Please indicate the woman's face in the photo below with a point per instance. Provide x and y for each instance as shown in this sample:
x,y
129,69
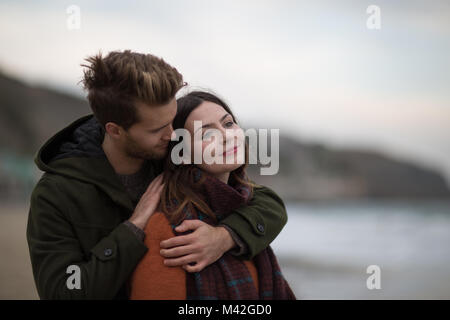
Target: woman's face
x,y
218,139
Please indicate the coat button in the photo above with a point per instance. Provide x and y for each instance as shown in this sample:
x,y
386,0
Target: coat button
x,y
260,227
107,252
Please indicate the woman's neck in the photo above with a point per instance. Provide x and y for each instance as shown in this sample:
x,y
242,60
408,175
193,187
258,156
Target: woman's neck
x,y
223,177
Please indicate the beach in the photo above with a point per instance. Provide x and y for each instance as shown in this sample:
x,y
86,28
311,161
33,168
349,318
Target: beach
x,y
16,276
323,251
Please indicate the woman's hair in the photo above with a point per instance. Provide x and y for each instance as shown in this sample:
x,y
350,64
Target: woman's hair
x,y
180,192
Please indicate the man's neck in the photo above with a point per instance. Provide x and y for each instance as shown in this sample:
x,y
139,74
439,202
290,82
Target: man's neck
x,y
121,163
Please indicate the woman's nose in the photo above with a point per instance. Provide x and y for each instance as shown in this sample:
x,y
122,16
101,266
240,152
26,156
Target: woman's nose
x,y
229,137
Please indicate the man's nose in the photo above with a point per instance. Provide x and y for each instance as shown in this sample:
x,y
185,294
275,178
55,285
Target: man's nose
x,y
168,134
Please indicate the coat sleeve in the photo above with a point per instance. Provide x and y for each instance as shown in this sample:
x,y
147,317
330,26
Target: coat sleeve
x,y
259,222
54,246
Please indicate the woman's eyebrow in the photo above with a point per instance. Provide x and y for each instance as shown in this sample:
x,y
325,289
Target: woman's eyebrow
x,y
209,124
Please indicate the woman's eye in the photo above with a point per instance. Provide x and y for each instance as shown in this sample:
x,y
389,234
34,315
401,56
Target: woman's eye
x,y
229,124
206,135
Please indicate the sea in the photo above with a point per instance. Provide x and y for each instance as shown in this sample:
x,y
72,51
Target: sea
x,y
367,249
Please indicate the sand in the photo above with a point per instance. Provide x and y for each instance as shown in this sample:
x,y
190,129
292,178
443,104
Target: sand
x,y
16,278
309,279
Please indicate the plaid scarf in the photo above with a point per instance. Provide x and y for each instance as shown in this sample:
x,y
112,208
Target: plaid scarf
x,y
228,278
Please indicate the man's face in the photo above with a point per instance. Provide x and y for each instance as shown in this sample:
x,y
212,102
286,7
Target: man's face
x,y
149,137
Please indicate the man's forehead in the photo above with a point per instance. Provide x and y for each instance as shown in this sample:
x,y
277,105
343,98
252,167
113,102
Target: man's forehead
x,y
153,117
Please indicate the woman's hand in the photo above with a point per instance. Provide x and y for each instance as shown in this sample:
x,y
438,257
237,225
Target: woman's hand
x,y
198,249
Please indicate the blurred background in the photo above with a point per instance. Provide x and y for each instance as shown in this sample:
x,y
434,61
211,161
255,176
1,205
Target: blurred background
x,y
361,99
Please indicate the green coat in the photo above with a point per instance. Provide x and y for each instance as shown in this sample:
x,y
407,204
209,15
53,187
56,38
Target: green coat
x,y
76,214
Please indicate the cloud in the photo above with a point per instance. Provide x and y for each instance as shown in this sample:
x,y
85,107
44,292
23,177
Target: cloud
x,y
311,68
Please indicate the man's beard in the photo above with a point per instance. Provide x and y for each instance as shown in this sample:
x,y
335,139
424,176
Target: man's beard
x,y
134,151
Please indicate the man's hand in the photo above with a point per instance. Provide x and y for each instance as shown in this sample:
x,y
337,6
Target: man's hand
x,y
148,203
203,246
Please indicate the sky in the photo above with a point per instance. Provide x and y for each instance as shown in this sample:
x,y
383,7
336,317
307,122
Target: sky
x,y
312,69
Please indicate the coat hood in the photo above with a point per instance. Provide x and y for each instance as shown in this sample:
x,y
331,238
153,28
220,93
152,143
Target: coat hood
x,y
82,138
76,152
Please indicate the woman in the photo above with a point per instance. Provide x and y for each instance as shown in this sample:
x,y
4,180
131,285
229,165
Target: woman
x,y
209,192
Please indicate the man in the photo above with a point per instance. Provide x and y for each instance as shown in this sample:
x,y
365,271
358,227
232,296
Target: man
x,y
101,185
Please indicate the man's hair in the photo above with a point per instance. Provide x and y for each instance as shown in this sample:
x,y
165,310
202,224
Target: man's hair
x,y
116,82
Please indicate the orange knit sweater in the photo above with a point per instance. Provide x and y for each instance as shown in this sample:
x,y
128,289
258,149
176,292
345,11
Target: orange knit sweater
x,y
152,280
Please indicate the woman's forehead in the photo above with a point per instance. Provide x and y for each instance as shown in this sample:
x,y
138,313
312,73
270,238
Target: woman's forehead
x,y
207,112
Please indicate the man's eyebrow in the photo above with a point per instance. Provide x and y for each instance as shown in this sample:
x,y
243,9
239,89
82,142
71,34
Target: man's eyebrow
x,y
209,124
161,127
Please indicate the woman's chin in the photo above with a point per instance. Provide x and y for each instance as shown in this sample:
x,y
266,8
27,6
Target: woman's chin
x,y
217,169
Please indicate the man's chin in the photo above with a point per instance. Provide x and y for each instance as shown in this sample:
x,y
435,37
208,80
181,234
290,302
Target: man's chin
x,y
158,155
155,155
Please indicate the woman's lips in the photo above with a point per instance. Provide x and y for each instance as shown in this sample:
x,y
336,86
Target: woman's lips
x,y
231,151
